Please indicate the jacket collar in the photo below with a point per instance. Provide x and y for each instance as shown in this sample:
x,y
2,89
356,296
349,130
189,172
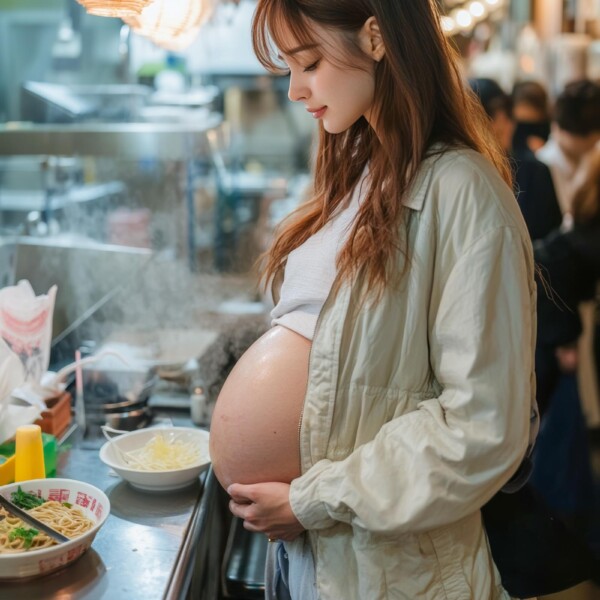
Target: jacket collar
x,y
415,197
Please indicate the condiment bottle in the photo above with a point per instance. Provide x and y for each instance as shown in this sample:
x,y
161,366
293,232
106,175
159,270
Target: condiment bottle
x,y
29,453
199,406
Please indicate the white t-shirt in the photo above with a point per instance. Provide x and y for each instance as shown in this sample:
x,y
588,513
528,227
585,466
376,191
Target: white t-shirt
x,y
310,270
562,171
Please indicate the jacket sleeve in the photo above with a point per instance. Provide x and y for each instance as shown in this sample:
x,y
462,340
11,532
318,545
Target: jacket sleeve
x,y
560,291
568,280
444,460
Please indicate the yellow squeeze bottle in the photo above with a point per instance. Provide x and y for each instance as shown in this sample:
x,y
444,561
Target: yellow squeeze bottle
x,y
29,453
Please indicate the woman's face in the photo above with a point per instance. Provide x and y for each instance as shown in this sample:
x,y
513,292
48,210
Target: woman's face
x,y
330,90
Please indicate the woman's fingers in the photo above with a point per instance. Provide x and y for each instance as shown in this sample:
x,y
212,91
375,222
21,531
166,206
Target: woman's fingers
x,y
265,508
242,494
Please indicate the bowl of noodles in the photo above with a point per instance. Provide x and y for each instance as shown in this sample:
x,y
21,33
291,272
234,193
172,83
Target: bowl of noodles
x,y
158,459
74,508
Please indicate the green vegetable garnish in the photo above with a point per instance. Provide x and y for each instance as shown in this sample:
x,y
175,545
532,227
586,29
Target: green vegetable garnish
x,y
25,534
67,504
25,500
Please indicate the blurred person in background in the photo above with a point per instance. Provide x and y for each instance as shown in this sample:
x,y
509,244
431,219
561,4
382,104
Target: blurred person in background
x,y
569,259
575,131
531,113
533,183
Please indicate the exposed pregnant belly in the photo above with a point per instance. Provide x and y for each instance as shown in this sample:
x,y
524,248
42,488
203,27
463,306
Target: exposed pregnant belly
x,y
254,434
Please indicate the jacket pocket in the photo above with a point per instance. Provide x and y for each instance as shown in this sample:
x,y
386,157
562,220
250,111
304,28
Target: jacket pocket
x,y
448,563
405,567
467,570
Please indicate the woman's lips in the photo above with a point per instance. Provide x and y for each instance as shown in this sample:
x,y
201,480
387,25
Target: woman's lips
x,y
317,113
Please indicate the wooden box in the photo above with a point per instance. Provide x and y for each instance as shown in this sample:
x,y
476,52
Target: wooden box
x,y
57,418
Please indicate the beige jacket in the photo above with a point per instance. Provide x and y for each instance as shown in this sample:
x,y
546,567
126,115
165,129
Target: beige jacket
x,y
417,409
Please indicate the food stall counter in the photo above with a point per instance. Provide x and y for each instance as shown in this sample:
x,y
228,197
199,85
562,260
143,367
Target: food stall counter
x,y
146,548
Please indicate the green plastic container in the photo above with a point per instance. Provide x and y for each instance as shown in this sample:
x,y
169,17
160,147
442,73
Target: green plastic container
x,y
50,452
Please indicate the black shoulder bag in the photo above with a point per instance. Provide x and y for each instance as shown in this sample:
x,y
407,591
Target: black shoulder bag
x,y
536,554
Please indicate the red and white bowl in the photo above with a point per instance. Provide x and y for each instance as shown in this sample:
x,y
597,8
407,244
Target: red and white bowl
x,y
92,502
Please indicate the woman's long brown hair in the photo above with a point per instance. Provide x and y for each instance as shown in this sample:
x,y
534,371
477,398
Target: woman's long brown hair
x,y
420,99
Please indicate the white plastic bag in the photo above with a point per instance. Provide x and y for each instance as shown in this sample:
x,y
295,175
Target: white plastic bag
x,y
26,326
12,375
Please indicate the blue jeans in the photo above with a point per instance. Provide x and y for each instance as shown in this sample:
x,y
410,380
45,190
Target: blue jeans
x,y
290,571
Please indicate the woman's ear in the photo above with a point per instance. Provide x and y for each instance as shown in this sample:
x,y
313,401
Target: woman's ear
x,y
370,39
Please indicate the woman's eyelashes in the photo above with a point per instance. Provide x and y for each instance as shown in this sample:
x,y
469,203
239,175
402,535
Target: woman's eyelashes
x,y
311,67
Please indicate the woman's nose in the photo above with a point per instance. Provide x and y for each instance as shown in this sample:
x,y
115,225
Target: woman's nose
x,y
297,92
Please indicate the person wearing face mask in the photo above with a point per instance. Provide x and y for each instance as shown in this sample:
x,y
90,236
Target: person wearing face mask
x,y
394,394
533,184
532,117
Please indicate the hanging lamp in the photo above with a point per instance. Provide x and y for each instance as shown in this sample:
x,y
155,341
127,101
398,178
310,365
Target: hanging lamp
x,y
171,24
115,8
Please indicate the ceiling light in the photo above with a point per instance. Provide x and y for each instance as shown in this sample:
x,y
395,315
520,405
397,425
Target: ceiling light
x,y
171,23
114,8
463,18
477,9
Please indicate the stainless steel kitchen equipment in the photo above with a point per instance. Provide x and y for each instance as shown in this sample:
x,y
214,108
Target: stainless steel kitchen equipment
x,y
145,144
54,103
7,259
244,563
51,103
118,398
161,141
41,195
83,303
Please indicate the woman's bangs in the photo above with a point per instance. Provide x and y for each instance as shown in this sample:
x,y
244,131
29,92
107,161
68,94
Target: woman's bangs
x,y
278,26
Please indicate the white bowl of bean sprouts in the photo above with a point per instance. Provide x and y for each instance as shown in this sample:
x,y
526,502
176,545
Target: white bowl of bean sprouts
x,y
73,508
158,459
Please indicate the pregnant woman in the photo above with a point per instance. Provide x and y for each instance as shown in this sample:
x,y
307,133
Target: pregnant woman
x,y
392,396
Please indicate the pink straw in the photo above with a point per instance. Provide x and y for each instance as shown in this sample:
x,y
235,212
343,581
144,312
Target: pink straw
x,y
78,373
79,407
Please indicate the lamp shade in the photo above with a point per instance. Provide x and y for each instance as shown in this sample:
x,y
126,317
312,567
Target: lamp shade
x,y
172,24
115,8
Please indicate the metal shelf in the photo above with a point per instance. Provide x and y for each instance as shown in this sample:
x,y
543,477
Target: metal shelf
x,y
160,141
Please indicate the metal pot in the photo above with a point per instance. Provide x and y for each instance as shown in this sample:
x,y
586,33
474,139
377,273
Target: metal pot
x,y
128,421
118,398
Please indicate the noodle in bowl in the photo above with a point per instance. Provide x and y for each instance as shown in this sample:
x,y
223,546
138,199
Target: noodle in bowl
x,y
81,525
158,459
63,518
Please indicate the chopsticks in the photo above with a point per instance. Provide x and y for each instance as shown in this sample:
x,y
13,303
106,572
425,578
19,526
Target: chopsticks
x,y
27,518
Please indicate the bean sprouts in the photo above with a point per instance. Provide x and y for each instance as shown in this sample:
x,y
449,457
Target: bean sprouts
x,y
160,454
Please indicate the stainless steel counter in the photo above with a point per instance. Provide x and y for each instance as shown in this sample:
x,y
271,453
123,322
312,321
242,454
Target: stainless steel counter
x,y
146,548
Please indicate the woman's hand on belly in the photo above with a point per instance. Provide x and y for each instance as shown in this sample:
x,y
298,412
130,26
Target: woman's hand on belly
x,y
265,508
